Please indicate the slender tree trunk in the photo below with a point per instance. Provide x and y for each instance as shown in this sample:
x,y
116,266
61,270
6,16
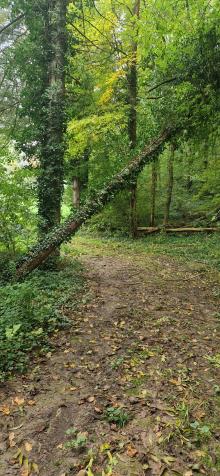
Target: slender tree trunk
x,y
132,119
153,191
76,192
169,185
119,182
189,181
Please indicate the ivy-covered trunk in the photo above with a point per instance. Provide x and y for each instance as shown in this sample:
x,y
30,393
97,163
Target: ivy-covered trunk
x,y
50,183
132,114
120,181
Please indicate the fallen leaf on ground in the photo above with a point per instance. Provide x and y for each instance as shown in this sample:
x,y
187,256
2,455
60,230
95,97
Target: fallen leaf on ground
x,y
11,438
91,399
28,446
18,401
131,451
176,382
24,472
5,409
60,446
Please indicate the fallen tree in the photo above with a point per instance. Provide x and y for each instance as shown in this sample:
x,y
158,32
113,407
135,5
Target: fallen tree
x,y
39,254
157,229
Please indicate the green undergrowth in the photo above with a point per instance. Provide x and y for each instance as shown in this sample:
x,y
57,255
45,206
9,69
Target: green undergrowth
x,y
32,310
202,248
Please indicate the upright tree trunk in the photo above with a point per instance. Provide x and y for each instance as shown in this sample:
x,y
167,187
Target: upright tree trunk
x,y
169,184
76,192
132,119
153,191
50,183
119,182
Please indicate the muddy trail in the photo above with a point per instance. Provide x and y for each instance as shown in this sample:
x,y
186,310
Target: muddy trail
x,y
133,386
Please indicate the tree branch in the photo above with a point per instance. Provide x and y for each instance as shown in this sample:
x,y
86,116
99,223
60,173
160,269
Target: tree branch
x,y
15,20
166,81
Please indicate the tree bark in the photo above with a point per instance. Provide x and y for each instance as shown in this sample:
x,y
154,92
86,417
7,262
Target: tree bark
x,y
169,185
119,182
50,183
12,22
157,229
76,192
153,191
132,118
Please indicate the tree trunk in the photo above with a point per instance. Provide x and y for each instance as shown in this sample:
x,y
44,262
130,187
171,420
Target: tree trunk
x,y
132,119
169,185
153,191
50,183
120,181
76,192
157,229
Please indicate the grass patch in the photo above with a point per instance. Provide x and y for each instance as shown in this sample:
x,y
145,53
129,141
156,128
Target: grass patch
x,y
30,311
202,248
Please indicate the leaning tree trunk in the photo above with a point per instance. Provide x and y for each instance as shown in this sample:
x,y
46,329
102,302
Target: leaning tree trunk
x,y
119,182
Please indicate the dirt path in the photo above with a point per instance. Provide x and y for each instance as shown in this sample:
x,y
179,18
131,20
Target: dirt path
x,y
139,345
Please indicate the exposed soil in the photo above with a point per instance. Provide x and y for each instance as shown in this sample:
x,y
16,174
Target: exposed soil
x,y
140,343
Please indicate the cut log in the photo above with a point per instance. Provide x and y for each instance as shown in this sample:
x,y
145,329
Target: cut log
x,y
120,181
150,230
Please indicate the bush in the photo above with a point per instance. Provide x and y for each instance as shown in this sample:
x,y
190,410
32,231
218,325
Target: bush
x,y
31,311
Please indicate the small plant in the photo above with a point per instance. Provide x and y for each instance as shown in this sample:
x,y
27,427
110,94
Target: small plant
x,y
216,389
71,431
117,416
202,432
217,315
183,411
215,359
112,462
117,362
78,442
162,320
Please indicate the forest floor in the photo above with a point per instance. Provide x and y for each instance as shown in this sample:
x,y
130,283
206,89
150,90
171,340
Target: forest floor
x,y
133,387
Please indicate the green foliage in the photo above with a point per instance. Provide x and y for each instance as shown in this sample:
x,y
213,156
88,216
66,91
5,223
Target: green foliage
x,y
17,200
117,415
214,359
31,311
201,432
117,363
178,83
79,442
85,132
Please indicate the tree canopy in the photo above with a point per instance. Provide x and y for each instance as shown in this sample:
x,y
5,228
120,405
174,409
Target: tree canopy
x,y
87,84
